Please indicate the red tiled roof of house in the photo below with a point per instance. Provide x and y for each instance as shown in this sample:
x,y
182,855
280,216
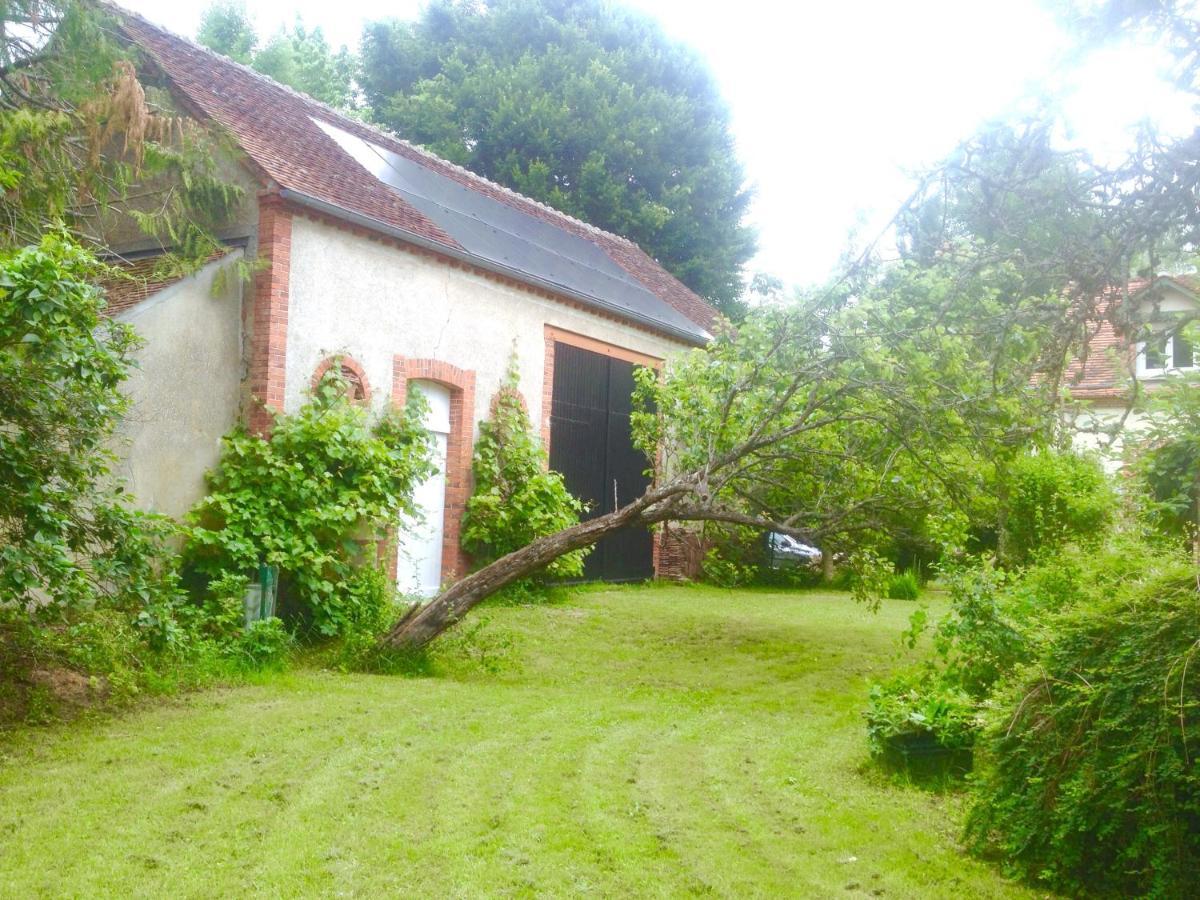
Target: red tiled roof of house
x,y
274,127
139,281
1106,368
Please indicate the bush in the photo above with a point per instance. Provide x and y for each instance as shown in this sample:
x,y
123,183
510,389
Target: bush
x,y
1055,498
719,569
733,554
938,705
1088,774
377,607
263,644
1167,457
67,535
987,632
920,716
516,499
904,586
314,499
84,658
91,608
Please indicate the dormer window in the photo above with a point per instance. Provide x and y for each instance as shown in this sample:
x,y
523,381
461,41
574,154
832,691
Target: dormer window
x,y
1165,353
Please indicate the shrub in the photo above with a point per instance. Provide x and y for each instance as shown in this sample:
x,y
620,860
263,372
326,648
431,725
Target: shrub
x,y
67,535
314,499
91,608
376,607
87,657
263,644
1089,781
904,586
733,554
1055,498
1168,457
516,499
986,633
717,568
938,705
915,713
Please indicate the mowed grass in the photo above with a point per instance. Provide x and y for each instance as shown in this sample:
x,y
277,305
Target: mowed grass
x,y
658,741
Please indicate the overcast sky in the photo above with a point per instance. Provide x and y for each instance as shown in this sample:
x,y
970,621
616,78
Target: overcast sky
x,y
834,105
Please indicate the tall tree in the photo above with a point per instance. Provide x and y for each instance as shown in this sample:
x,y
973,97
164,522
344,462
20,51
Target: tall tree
x,y
226,28
303,59
583,105
298,57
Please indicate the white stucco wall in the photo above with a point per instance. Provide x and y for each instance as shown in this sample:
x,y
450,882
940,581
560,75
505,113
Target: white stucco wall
x,y
185,393
1094,425
373,301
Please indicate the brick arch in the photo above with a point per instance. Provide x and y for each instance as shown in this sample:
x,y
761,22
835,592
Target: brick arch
x,y
353,372
459,445
507,391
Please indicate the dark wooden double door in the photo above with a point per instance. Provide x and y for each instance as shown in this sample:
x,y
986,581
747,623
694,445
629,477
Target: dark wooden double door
x,y
591,445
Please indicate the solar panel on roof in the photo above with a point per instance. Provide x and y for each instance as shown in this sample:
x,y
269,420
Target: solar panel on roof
x,y
494,231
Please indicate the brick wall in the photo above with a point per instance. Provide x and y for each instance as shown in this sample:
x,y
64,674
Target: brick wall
x,y
269,313
459,446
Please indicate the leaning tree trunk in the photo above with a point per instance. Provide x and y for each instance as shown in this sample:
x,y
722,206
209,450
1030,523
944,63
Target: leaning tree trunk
x,y
424,623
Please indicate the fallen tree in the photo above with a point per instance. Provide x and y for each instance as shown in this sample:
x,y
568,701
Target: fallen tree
x,y
827,418
906,388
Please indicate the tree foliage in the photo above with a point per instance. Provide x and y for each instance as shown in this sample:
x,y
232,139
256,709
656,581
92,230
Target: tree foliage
x,y
298,56
314,498
303,59
227,28
84,144
585,106
67,536
516,498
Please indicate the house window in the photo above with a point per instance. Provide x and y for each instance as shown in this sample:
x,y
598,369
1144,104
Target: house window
x,y
1165,353
352,372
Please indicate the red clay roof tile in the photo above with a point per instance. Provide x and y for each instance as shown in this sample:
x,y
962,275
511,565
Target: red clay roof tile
x,y
138,281
1105,369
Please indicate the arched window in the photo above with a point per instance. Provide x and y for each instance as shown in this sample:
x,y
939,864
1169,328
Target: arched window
x,y
352,371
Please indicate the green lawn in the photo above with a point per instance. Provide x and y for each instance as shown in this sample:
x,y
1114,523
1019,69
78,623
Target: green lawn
x,y
641,742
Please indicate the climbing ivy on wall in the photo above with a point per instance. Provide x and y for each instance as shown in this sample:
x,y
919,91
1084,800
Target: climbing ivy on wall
x,y
516,497
315,498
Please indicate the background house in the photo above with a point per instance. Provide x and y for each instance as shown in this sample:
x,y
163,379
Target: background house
x,y
1130,353
416,275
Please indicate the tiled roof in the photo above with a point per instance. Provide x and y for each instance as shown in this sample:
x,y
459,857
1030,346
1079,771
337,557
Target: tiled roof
x,y
274,126
138,282
1104,371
